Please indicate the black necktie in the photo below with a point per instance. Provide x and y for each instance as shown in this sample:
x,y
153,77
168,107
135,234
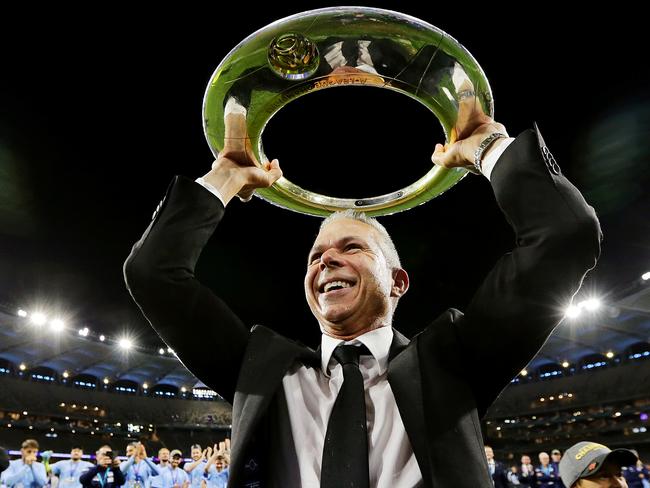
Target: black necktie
x,y
345,453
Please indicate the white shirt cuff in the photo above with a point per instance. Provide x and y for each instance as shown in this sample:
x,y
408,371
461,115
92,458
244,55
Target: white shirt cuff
x,y
211,189
494,154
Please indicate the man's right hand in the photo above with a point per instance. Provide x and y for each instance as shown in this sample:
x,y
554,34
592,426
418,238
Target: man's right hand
x,y
236,171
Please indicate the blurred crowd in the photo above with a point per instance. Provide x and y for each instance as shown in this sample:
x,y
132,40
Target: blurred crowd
x,y
206,468
546,472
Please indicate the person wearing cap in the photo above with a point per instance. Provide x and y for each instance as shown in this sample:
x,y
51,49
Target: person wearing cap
x,y
636,474
172,476
69,470
592,465
26,472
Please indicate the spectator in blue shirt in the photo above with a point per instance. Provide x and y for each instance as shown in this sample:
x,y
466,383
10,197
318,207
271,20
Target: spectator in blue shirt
x,y
637,476
138,469
172,476
546,476
26,472
106,474
196,468
216,469
69,470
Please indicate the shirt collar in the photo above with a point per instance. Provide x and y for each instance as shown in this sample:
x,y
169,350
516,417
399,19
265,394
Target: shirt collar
x,y
377,341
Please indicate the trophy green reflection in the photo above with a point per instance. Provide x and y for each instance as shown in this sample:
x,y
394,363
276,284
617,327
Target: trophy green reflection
x,y
345,46
293,56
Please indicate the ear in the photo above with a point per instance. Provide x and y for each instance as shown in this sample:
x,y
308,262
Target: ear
x,y
400,283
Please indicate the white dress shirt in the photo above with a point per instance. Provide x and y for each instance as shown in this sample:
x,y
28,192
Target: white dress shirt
x,y
310,394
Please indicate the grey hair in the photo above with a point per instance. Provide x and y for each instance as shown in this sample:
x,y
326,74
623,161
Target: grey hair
x,y
385,241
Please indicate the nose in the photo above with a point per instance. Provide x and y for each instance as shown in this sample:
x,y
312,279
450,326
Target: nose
x,y
330,258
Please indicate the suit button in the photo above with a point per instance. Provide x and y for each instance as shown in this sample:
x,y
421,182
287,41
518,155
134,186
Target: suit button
x,y
551,163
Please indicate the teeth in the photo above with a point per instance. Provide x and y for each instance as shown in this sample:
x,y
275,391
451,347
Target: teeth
x,y
342,284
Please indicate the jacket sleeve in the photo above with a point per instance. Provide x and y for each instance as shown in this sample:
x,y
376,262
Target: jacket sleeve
x,y
118,477
524,296
208,338
86,479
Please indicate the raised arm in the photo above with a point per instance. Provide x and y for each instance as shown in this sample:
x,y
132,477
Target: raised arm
x,y
524,296
160,271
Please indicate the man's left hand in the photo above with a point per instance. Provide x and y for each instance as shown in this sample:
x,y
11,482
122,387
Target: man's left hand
x,y
472,127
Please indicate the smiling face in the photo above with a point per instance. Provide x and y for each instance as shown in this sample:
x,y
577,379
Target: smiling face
x,y
163,455
196,453
544,459
349,286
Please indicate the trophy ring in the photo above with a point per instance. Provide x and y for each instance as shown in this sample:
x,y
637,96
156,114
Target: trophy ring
x,y
303,53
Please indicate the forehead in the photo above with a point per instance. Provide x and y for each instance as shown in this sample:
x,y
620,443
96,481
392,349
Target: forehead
x,y
344,228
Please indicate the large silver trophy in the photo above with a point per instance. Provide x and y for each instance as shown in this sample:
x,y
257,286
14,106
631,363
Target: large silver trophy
x,y
343,46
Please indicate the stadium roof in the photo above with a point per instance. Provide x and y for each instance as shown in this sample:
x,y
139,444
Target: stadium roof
x,y
613,327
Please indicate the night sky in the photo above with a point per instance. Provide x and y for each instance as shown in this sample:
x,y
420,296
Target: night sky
x,y
98,111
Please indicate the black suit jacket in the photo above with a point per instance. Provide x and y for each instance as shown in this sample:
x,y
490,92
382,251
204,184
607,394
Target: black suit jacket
x,y
500,476
436,377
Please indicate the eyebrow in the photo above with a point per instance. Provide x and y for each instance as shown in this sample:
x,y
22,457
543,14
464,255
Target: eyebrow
x,y
339,242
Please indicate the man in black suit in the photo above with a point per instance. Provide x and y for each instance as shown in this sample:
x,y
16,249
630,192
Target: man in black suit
x,y
497,470
423,397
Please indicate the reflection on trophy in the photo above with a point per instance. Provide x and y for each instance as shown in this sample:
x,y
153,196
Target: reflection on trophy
x,y
334,47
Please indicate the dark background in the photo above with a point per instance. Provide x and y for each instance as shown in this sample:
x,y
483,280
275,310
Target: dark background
x,y
99,110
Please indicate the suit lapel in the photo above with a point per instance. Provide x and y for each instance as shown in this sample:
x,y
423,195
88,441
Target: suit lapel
x,y
405,382
266,360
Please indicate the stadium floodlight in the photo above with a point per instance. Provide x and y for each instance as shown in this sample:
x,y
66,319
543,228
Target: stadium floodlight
x,y
57,325
591,304
565,364
106,381
572,311
183,389
645,276
161,351
170,350
22,367
609,354
102,337
22,313
84,332
524,372
39,318
125,343
66,374
145,385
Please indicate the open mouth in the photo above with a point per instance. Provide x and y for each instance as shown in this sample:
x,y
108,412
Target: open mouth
x,y
332,287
